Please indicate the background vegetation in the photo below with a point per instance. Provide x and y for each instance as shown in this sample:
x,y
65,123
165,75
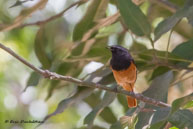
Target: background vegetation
x,y
69,37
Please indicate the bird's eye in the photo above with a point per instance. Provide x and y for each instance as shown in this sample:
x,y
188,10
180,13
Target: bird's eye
x,y
113,49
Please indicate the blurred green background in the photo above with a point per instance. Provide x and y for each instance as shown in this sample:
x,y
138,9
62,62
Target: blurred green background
x,y
74,44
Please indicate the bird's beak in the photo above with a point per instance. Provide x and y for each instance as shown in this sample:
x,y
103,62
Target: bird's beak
x,y
108,47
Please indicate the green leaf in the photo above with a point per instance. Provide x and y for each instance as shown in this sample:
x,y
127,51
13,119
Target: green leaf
x,y
181,102
107,78
189,105
94,96
158,125
33,80
40,48
178,2
160,118
173,58
189,16
122,100
134,18
78,49
157,90
189,5
100,45
103,73
179,118
108,116
143,65
87,21
100,13
53,84
184,50
161,114
64,68
159,87
81,94
18,3
159,71
116,125
173,128
138,47
182,119
107,99
93,51
169,23
156,12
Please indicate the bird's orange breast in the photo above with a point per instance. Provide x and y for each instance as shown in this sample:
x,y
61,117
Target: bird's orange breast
x,y
126,76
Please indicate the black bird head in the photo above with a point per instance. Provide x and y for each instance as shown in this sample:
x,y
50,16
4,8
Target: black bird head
x,y
118,51
121,58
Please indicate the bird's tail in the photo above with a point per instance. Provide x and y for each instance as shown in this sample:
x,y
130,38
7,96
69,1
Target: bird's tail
x,y
130,100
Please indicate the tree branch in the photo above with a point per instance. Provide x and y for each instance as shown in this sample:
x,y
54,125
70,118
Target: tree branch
x,y
166,4
18,22
22,16
55,76
38,23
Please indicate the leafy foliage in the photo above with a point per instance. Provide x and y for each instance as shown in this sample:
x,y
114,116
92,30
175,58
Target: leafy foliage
x,y
134,17
77,49
178,117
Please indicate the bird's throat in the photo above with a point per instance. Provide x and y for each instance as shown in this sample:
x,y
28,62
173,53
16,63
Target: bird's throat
x,y
120,63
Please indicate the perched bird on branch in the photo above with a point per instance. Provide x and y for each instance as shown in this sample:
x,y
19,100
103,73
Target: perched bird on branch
x,y
124,70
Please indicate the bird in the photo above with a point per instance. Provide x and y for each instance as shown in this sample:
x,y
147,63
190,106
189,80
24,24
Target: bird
x,y
124,70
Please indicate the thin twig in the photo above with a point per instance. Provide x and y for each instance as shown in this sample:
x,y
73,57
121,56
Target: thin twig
x,y
40,71
168,44
170,35
166,4
78,3
173,66
155,59
23,15
168,125
183,74
55,76
152,42
181,80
